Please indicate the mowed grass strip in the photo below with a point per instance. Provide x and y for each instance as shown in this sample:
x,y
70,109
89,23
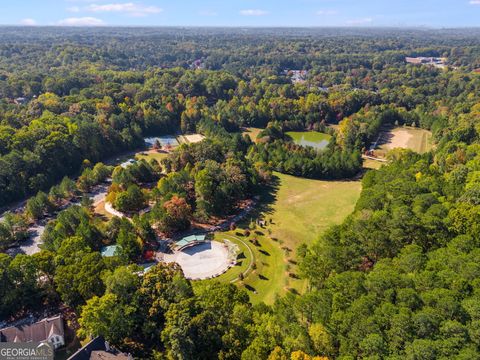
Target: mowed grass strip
x,y
260,260
296,211
151,154
422,141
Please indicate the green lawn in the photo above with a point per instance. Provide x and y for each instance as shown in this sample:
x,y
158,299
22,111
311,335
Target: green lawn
x,y
262,265
297,211
148,155
310,138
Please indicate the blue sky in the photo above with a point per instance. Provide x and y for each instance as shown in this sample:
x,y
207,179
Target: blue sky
x,y
431,13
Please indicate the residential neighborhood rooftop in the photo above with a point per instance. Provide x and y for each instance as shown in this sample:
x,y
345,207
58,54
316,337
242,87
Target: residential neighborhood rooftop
x,y
99,349
43,330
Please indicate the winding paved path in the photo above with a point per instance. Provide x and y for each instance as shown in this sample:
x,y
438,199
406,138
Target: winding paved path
x,y
109,208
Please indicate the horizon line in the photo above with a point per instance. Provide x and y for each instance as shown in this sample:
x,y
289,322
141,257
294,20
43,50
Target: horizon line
x,y
428,27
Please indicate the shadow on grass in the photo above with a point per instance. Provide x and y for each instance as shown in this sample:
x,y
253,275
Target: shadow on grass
x,y
250,288
266,253
268,197
262,277
102,217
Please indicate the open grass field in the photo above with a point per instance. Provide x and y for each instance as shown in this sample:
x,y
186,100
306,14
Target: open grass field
x,y
418,140
310,138
372,164
296,211
252,132
151,154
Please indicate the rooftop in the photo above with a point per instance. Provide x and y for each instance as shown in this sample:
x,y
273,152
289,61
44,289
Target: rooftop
x,y
98,349
189,240
109,251
39,331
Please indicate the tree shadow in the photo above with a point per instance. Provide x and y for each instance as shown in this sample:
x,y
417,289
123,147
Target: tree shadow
x,y
268,196
262,277
250,288
266,253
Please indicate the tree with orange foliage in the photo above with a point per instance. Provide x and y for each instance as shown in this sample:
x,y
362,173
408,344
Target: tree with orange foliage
x,y
174,215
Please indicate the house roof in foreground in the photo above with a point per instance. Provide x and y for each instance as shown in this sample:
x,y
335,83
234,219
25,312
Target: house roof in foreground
x,y
98,349
39,331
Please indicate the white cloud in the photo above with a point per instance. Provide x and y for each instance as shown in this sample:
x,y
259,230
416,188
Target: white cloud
x,y
327,12
130,8
28,22
474,2
81,21
73,9
253,12
357,22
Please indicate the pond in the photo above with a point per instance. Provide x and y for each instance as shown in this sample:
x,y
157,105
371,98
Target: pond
x,y
313,139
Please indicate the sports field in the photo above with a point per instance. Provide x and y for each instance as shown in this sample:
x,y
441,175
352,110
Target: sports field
x,y
190,139
296,211
314,139
418,140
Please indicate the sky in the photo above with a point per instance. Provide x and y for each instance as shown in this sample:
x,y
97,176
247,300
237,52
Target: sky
x,y
262,13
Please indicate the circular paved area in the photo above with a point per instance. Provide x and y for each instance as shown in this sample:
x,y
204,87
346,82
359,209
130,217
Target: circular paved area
x,y
202,261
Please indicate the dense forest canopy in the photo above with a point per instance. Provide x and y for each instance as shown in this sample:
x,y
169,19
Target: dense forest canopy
x,y
94,93
398,279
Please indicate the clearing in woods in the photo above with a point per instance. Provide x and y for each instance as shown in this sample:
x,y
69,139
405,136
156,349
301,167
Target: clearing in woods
x,y
252,132
418,140
296,211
